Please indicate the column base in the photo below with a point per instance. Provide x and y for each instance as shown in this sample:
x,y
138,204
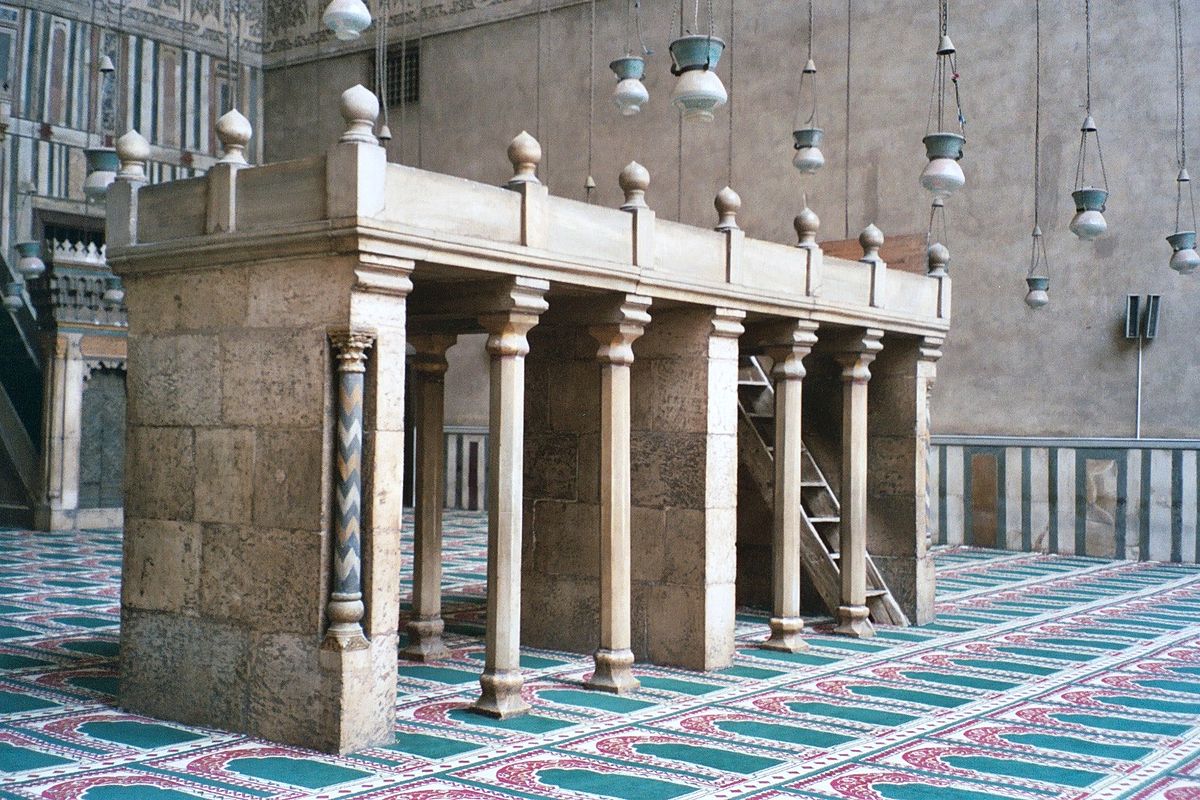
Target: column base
x,y
785,635
343,637
854,621
500,697
613,672
425,640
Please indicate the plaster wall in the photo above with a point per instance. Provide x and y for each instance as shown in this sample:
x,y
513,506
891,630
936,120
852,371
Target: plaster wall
x,y
1065,370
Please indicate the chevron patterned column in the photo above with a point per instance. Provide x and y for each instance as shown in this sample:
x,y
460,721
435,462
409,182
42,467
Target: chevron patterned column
x,y
788,375
345,601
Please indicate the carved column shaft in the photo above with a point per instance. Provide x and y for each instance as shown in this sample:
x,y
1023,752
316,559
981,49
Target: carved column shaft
x,y
855,361
345,601
429,390
788,376
614,658
507,345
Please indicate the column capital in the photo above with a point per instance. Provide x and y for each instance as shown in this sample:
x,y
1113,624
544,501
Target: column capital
x,y
727,322
430,356
856,352
351,345
931,348
514,311
788,343
624,323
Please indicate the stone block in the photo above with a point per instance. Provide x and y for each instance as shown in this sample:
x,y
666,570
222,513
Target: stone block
x,y
720,552
194,301
161,565
171,381
159,469
182,668
386,379
575,395
224,490
673,396
563,538
668,469
684,549
274,377
382,566
574,625
383,480
720,471
587,454
551,465
648,543
264,579
286,294
289,481
285,689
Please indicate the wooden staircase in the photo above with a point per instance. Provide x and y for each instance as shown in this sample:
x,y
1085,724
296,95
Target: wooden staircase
x,y
821,512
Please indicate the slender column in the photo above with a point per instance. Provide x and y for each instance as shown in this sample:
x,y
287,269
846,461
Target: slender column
x,y
345,601
429,392
614,658
62,407
855,360
507,344
788,376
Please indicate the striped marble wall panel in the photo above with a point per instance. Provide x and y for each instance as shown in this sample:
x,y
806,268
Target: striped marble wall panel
x,y
1119,498
466,467
174,93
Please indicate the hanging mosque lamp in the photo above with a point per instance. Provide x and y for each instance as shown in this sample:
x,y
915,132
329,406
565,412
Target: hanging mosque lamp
x,y
943,176
346,18
1184,258
630,94
102,162
1038,277
693,58
1088,222
807,136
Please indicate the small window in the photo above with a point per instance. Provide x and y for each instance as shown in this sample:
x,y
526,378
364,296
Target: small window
x,y
403,74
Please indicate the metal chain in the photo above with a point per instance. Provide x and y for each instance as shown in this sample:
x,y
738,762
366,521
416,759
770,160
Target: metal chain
x,y
591,96
237,97
846,142
1180,96
810,29
93,94
1087,49
1037,109
729,58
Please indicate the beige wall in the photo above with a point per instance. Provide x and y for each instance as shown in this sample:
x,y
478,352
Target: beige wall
x,y
1007,370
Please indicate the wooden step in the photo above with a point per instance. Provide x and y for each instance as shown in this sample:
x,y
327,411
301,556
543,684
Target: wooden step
x,y
824,520
876,593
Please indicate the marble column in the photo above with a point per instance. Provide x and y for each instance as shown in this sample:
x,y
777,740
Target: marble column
x,y
614,658
855,358
429,395
345,607
507,345
787,376
62,429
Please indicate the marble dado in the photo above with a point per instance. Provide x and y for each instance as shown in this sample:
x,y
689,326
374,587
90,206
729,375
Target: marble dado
x,y
1112,498
240,287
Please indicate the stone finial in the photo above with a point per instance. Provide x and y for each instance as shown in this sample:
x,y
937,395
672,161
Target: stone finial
x,y
133,151
937,258
634,180
524,153
360,109
234,132
807,223
871,239
727,203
